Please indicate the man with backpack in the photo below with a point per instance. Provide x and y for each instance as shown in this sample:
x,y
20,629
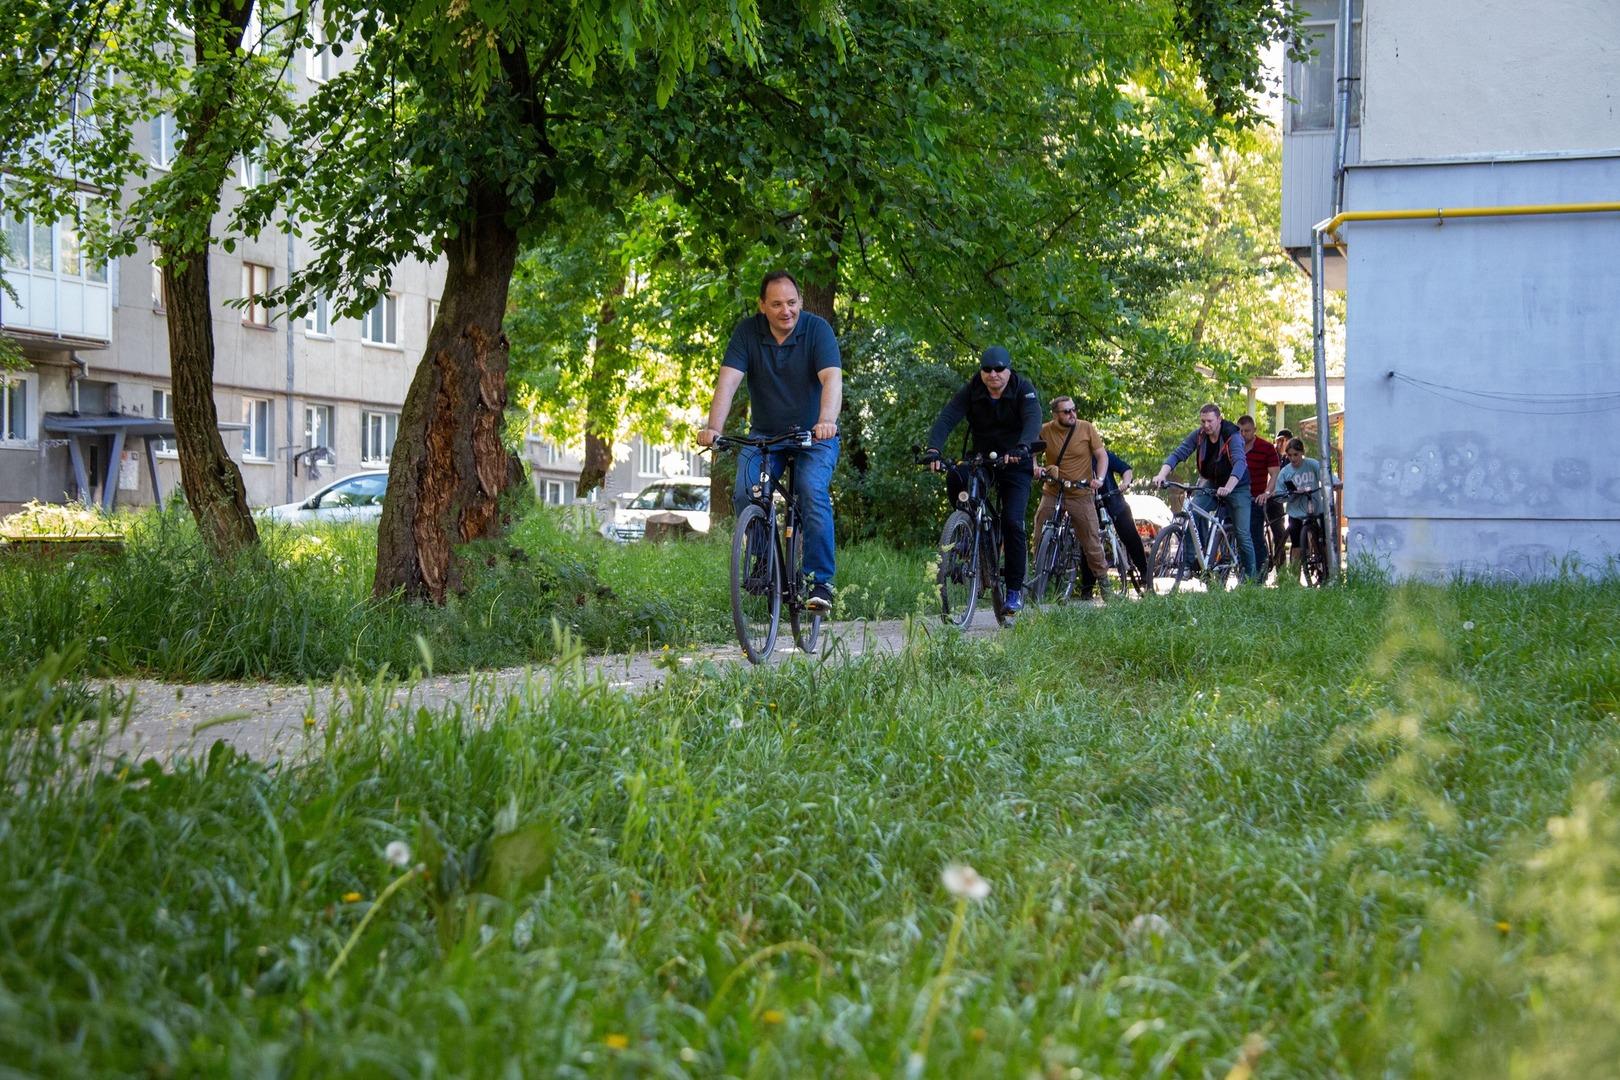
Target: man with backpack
x,y
1222,460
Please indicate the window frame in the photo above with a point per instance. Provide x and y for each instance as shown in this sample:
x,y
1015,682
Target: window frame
x,y
258,438
166,139
256,312
386,313
389,428
318,319
1325,27
28,383
311,410
163,409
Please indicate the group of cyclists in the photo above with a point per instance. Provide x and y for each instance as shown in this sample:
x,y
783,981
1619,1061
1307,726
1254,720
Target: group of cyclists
x,y
791,363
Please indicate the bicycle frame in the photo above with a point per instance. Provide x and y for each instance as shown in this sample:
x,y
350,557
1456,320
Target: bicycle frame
x,y
983,563
1197,520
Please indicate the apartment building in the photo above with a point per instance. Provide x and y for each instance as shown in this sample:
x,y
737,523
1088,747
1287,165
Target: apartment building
x,y
90,415
1481,169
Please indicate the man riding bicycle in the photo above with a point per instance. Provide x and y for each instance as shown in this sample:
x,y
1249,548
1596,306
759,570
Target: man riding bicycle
x,y
1074,452
1222,460
795,381
1003,417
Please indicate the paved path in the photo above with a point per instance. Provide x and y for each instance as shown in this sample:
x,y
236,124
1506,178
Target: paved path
x,y
271,720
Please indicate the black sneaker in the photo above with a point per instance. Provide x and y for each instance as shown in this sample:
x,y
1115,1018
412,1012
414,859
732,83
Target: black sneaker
x,y
820,600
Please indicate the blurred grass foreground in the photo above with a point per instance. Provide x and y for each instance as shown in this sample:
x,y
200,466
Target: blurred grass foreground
x,y
1354,832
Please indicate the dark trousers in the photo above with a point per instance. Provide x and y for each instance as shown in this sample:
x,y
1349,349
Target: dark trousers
x,y
1129,539
1012,486
1277,520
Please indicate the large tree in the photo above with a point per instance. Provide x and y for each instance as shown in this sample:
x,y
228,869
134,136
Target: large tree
x,y
80,79
450,138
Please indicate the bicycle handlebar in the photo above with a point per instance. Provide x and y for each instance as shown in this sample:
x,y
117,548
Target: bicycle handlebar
x,y
1190,488
798,438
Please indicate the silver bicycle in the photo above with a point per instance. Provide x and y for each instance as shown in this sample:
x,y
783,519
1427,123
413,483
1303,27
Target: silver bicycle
x,y
1196,544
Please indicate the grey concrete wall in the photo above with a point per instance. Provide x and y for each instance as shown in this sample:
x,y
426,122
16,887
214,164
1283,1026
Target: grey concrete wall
x,y
1501,465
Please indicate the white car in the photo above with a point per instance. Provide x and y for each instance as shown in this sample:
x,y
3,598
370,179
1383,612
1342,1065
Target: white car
x,y
1150,512
354,498
686,497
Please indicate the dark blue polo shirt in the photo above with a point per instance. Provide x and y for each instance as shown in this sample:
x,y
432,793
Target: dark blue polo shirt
x,y
784,381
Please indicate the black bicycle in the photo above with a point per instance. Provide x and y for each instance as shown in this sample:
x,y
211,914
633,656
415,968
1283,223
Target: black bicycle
x,y
1123,575
767,556
1057,553
1313,558
970,544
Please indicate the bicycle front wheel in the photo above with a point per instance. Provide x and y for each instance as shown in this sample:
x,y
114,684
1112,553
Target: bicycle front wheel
x,y
1315,562
1046,555
959,577
1171,558
756,586
806,623
1123,576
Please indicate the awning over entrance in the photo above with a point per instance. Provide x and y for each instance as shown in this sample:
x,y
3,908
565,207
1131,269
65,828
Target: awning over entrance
x,y
77,428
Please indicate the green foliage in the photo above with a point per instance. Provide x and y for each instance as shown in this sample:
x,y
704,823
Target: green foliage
x,y
742,868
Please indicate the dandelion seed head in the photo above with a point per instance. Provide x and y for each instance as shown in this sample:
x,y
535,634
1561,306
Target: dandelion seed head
x,y
398,852
964,882
1469,625
736,722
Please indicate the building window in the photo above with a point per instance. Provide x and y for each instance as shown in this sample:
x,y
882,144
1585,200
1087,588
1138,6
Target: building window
x,y
250,169
163,409
433,314
319,63
317,426
317,320
160,294
380,327
649,458
51,248
554,493
554,454
165,140
256,439
255,283
377,433
1312,88
16,408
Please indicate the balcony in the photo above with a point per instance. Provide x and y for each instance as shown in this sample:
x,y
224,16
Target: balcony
x,y
62,297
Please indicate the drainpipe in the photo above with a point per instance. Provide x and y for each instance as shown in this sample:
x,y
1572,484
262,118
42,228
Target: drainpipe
x,y
1324,422
1341,106
74,380
292,447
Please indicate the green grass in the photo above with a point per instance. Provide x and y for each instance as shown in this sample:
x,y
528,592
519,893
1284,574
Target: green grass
x,y
1282,820
301,607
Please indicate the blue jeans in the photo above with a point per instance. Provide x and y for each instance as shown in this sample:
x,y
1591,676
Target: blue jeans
x,y
1238,505
812,493
1258,527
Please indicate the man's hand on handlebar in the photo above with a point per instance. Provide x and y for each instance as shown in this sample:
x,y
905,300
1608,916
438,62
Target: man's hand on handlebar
x,y
706,436
930,457
825,429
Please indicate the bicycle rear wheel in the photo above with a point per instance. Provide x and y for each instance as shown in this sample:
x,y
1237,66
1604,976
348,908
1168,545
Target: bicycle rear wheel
x,y
756,585
959,578
806,623
990,569
1223,558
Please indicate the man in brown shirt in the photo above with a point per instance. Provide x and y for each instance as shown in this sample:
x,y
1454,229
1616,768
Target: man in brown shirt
x,y
1074,452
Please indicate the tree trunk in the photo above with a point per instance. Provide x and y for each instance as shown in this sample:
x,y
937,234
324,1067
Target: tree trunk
x,y
212,481
449,466
610,369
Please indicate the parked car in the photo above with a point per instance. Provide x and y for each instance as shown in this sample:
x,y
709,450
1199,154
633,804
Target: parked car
x,y
685,497
1150,512
354,498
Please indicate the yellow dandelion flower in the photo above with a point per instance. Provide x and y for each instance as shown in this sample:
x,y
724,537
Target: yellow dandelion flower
x,y
616,1041
351,898
1504,926
773,1016
978,1034
309,721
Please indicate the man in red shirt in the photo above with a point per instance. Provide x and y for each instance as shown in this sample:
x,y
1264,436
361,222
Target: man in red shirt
x,y
1264,464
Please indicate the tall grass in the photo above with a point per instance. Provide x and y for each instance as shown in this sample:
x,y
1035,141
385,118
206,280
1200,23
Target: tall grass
x,y
300,607
1223,833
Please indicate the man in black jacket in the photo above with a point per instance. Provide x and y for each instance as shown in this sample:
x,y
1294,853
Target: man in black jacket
x,y
1003,415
